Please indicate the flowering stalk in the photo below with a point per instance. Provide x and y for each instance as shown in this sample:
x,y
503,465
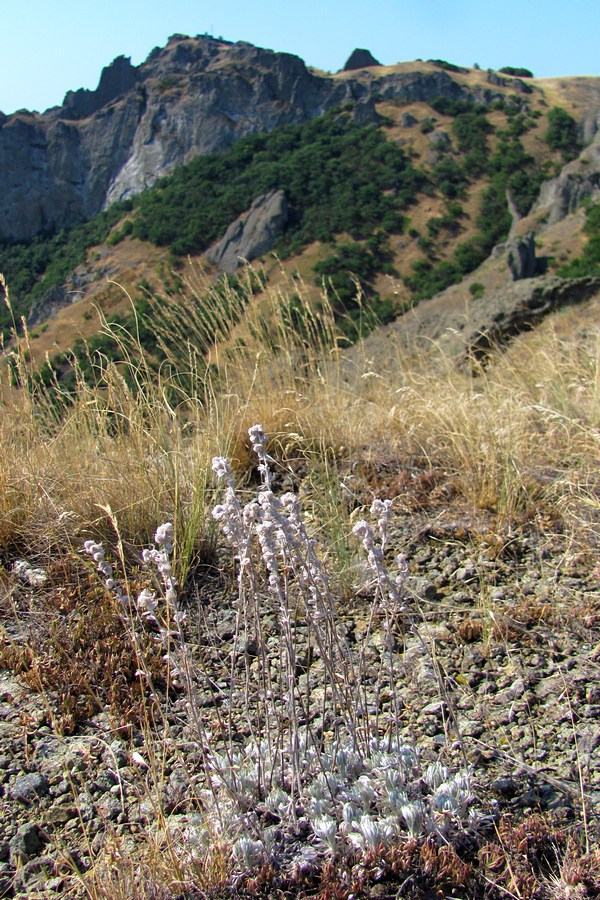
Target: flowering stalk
x,y
388,590
97,552
164,539
146,600
295,577
238,525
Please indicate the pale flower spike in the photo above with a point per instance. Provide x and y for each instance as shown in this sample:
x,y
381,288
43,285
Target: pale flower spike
x,y
96,551
146,603
259,442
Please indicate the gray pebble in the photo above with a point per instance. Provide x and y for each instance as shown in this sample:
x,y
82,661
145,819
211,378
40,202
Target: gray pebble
x,y
30,787
27,842
504,785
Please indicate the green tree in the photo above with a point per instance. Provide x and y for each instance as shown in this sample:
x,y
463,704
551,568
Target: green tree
x,y
562,134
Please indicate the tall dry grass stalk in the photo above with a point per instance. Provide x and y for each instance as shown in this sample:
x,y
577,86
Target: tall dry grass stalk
x,y
517,436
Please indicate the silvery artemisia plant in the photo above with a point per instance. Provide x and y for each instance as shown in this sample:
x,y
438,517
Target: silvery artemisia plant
x,y
389,588
357,791
352,792
147,604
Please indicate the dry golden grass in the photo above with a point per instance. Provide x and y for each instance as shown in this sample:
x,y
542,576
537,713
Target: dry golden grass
x,y
521,433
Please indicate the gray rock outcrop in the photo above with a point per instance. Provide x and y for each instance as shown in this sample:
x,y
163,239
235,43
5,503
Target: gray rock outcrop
x,y
508,313
252,234
440,140
408,120
471,333
515,83
578,181
360,59
365,112
520,257
115,80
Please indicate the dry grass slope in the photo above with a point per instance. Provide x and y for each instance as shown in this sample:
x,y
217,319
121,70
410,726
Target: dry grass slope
x,y
515,442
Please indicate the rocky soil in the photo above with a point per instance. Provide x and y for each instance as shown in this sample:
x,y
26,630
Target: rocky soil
x,y
497,658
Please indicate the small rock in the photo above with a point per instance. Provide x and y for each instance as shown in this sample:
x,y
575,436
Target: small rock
x,y
58,815
465,574
61,788
437,708
30,787
110,807
6,884
421,588
27,842
515,690
103,782
471,729
35,874
504,785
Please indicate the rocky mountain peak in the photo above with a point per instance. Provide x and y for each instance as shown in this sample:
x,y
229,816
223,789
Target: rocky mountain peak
x,y
116,79
360,59
195,95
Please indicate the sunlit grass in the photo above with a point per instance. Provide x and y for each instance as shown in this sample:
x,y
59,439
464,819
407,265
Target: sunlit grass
x,y
512,437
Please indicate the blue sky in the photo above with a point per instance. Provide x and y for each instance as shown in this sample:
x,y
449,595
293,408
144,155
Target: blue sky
x,y
49,48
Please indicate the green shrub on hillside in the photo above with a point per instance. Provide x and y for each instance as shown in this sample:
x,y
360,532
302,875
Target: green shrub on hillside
x,y
449,221
448,106
449,176
470,130
516,72
354,264
511,173
517,170
428,279
447,66
517,124
493,224
562,134
589,261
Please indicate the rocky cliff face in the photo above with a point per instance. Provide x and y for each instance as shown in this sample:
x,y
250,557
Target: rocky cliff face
x,y
578,181
251,234
195,95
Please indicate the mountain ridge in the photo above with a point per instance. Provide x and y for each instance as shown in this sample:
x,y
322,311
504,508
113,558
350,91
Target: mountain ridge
x,y
195,95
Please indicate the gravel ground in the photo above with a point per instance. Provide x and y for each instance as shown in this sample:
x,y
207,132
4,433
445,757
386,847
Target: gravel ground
x,y
497,657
